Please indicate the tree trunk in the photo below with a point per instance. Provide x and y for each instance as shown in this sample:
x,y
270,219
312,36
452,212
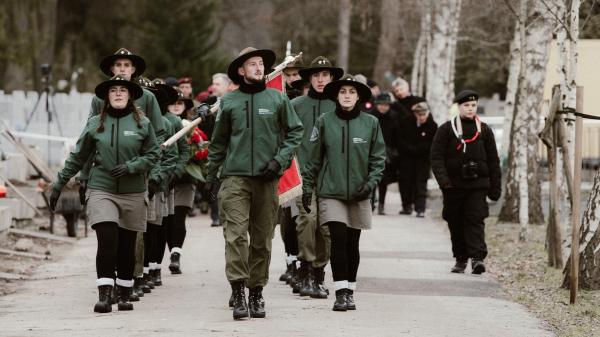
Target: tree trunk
x,y
344,34
388,39
440,58
512,86
537,41
521,130
589,249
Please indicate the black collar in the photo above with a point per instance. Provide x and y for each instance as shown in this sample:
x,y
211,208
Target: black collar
x,y
347,115
252,88
312,93
118,113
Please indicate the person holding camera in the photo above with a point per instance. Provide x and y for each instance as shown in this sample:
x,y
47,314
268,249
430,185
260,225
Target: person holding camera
x,y
465,162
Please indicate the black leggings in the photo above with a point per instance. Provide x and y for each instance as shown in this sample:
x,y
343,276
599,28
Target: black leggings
x,y
290,238
116,250
154,244
345,256
176,227
382,191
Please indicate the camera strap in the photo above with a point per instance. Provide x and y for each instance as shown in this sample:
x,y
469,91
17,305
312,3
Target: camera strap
x,y
458,132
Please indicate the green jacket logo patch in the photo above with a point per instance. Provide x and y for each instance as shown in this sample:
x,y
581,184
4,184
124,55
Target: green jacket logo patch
x,y
128,133
358,140
315,134
262,111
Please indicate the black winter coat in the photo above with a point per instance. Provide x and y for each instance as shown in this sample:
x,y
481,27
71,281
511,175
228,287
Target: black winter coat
x,y
447,160
414,142
389,129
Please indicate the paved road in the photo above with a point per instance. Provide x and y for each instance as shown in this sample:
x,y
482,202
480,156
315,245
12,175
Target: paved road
x,y
405,289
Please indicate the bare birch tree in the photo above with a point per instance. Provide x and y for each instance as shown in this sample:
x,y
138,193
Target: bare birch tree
x,y
440,57
388,38
418,74
344,34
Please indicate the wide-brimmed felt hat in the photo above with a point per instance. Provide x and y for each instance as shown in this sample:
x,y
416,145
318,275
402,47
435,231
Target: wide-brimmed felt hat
x,y
168,93
321,63
122,53
189,103
135,91
268,57
383,99
332,89
300,84
466,96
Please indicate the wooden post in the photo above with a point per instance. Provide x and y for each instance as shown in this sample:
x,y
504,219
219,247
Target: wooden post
x,y
575,220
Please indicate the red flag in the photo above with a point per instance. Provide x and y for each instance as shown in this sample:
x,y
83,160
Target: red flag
x,y
290,184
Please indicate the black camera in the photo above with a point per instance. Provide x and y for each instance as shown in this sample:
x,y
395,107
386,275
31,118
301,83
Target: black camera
x,y
470,170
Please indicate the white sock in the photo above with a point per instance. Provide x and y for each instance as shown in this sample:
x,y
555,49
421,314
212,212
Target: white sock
x,y
146,270
125,283
352,286
176,250
337,285
290,259
105,281
152,265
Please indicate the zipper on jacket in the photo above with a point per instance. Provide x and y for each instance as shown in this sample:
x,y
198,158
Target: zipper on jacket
x,y
348,161
252,133
117,152
343,138
247,116
314,116
112,135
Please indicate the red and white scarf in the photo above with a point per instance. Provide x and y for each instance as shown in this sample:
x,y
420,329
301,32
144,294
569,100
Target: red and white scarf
x,y
458,132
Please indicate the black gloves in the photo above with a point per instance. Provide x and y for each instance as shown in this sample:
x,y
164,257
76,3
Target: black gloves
x,y
54,199
210,191
82,190
271,170
494,194
363,193
153,187
306,200
119,171
202,111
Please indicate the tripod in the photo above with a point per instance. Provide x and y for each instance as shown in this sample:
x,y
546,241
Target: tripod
x,y
50,112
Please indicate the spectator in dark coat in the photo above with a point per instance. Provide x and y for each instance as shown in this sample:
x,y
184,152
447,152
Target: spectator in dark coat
x,y
416,132
388,120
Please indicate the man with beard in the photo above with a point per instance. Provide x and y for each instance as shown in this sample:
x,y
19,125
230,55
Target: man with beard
x,y
255,136
313,240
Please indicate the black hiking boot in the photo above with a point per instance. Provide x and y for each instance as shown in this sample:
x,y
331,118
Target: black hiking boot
x,y
319,290
240,308
156,278
175,266
340,303
477,266
124,293
350,305
138,284
104,299
459,266
256,303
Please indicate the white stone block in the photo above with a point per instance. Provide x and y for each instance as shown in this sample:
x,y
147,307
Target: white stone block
x,y
19,209
5,218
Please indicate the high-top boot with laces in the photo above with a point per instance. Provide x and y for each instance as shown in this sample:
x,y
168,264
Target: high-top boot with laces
x,y
300,278
138,286
350,305
240,307
175,266
459,266
148,281
318,290
156,279
293,275
340,303
308,283
123,293
256,303
104,299
134,296
286,275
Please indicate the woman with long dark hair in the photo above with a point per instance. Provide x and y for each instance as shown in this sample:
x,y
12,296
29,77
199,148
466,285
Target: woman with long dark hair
x,y
347,158
122,144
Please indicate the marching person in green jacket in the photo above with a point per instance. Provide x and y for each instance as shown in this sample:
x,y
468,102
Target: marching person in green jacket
x,y
123,146
159,206
256,133
129,66
313,240
183,184
346,162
